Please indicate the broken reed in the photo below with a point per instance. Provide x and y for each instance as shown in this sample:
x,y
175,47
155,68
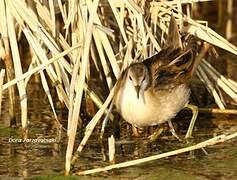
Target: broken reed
x,y
111,33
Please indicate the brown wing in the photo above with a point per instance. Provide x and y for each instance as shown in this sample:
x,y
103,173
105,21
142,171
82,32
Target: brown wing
x,y
173,64
173,69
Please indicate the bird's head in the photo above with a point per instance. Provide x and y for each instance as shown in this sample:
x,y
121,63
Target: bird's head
x,y
139,77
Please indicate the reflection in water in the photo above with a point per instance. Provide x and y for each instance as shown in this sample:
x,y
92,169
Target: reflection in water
x,y
44,153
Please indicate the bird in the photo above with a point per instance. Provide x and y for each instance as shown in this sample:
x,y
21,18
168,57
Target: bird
x,y
153,91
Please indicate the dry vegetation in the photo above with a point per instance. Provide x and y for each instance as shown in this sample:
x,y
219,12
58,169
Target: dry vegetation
x,y
67,39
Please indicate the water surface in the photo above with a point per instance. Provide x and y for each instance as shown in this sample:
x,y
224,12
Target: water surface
x,y
43,154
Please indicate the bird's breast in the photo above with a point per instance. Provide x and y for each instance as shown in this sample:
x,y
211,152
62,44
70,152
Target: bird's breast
x,y
151,108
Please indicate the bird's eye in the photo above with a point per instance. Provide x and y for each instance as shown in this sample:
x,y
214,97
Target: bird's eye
x,y
130,78
144,78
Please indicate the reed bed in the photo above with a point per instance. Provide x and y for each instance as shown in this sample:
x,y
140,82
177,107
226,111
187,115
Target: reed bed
x,y
67,39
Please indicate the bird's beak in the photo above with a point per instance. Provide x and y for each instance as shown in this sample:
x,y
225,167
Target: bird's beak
x,y
137,88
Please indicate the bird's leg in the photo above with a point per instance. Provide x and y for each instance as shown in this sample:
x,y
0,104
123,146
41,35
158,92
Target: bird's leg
x,y
172,130
105,121
194,110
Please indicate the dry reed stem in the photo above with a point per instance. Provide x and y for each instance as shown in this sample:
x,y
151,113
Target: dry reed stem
x,y
111,144
119,21
40,67
24,14
3,22
210,36
71,14
153,40
7,58
128,57
59,67
106,30
31,66
81,81
229,83
52,14
41,54
17,67
2,74
194,28
217,111
220,82
209,142
229,22
101,53
97,100
134,7
105,120
106,44
47,91
91,125
73,84
210,87
62,11
44,14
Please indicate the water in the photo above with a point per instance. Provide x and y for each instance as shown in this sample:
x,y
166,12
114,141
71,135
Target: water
x,y
43,156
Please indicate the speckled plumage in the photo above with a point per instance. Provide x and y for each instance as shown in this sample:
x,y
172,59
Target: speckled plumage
x,y
155,90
